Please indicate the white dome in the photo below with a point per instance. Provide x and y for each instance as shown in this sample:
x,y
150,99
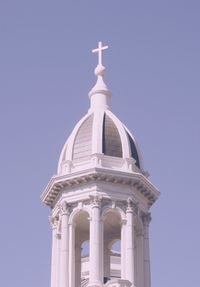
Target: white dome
x,y
100,132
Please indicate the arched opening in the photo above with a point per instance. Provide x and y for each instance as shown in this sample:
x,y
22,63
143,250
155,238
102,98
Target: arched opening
x,y
85,249
112,245
81,247
115,259
85,261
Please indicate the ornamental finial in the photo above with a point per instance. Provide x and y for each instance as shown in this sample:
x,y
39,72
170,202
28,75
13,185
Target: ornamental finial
x,y
100,94
100,50
100,69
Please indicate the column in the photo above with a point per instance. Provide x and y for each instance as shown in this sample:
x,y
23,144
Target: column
x,y
130,242
58,257
64,267
95,244
72,255
140,257
123,249
102,249
147,275
53,222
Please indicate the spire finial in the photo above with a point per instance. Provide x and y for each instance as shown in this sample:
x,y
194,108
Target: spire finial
x,y
100,50
100,94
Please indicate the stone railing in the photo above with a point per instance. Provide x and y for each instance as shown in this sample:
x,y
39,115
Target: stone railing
x,y
101,161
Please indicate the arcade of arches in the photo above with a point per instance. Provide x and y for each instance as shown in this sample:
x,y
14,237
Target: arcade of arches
x,y
96,240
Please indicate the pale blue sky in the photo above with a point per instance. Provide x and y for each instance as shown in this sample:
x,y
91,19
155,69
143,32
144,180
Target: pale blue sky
x,y
46,71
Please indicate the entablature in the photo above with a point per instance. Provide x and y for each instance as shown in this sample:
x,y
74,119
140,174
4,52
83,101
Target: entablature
x,y
58,184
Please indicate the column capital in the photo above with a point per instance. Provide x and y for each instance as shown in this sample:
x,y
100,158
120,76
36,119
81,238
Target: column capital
x,y
54,221
123,221
146,218
64,208
132,206
95,200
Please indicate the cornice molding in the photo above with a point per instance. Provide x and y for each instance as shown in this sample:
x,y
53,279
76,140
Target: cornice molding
x,y
136,180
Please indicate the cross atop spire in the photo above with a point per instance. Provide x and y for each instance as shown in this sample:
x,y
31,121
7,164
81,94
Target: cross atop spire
x,y
100,94
100,50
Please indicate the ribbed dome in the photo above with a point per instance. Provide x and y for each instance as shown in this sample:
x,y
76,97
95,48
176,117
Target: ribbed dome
x,y
100,132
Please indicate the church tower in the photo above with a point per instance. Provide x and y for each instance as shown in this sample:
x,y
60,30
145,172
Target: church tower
x,y
100,200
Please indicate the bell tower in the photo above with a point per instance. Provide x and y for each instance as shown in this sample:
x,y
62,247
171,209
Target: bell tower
x,y
100,200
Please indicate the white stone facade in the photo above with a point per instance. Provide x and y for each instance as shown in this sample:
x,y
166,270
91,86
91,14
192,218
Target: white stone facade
x,y
100,198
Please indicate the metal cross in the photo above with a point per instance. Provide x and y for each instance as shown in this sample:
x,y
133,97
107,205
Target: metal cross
x,y
100,52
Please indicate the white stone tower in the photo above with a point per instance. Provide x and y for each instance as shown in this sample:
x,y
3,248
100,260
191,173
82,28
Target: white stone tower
x,y
100,198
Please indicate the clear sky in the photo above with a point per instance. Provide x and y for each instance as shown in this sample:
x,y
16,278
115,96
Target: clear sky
x,y
46,71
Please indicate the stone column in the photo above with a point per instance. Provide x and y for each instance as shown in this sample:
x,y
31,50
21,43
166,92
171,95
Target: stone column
x,y
123,249
54,223
72,255
102,249
140,257
95,244
64,268
58,253
147,275
130,241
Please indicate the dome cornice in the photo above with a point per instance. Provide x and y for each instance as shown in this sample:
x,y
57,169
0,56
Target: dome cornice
x,y
58,184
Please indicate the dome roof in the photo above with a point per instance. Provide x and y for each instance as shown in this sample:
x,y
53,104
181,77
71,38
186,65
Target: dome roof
x,y
99,132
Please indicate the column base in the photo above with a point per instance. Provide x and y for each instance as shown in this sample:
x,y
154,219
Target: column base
x,y
119,283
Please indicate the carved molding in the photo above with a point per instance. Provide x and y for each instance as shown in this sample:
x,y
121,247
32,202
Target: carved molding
x,y
64,208
95,201
146,218
54,221
138,181
132,206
